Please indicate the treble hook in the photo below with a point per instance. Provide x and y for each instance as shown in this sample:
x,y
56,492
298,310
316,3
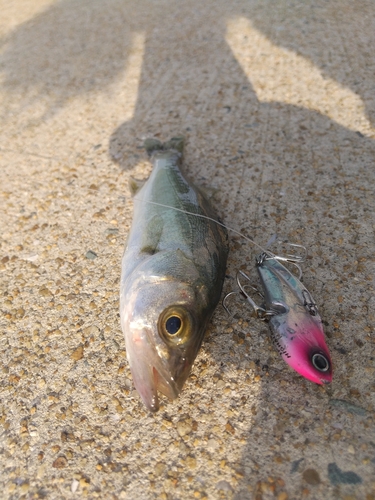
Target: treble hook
x,y
225,299
259,312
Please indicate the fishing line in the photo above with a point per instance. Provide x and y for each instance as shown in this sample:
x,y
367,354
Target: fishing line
x,y
212,220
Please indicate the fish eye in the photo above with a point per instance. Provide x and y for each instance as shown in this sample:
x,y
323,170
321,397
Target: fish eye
x,y
173,325
320,362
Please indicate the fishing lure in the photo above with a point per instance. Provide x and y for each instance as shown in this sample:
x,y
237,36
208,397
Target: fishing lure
x,y
295,324
293,318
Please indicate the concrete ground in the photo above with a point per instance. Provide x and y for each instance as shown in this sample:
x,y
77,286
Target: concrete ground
x,y
277,102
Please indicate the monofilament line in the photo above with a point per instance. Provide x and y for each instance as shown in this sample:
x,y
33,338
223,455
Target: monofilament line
x,y
211,219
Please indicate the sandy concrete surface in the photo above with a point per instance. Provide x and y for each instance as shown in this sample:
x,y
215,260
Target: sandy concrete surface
x,y
277,102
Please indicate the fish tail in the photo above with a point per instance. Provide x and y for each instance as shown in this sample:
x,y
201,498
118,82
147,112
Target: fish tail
x,y
175,143
152,145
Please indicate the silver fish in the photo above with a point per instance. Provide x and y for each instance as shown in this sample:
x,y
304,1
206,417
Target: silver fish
x,y
173,270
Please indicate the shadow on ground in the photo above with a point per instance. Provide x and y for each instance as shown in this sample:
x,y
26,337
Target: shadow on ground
x,y
279,168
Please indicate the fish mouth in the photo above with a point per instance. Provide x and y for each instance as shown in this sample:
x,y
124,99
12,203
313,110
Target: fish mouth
x,y
154,380
156,367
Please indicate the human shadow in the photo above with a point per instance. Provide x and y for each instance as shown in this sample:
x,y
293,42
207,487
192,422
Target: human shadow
x,y
336,40
72,48
68,49
278,168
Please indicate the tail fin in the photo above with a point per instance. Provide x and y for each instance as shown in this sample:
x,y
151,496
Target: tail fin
x,y
152,145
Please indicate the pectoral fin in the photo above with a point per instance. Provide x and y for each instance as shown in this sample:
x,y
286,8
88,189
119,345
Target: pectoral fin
x,y
135,185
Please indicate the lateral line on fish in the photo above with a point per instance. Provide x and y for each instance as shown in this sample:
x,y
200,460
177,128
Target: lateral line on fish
x,y
271,254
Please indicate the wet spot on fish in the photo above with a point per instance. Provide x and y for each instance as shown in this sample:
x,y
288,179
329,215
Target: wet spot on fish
x,y
337,476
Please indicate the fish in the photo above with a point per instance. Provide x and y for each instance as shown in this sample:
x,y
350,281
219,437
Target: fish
x,y
172,274
295,324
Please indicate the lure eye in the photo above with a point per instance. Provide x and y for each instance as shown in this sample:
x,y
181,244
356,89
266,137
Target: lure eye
x,y
175,325
320,362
